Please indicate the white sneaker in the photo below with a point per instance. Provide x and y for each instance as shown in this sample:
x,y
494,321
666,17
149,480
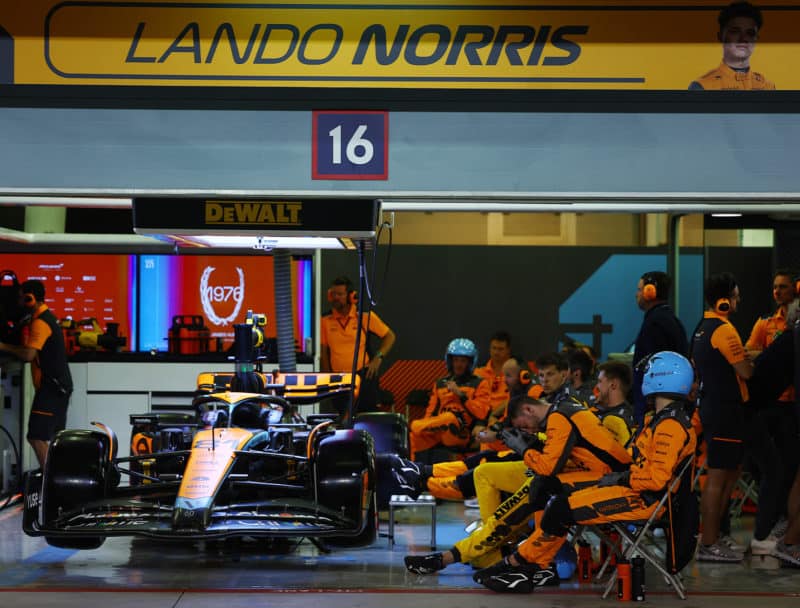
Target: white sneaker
x,y
762,547
728,541
471,503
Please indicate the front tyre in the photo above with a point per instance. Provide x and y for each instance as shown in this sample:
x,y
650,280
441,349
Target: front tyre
x,y
78,470
345,466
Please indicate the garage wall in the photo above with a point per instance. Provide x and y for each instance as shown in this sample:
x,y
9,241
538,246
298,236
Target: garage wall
x,y
435,294
141,149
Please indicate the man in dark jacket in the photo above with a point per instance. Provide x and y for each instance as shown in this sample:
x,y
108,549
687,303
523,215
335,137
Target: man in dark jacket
x,y
661,331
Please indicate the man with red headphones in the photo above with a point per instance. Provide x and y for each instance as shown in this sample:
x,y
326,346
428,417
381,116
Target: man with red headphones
x,y
338,339
722,367
43,347
660,331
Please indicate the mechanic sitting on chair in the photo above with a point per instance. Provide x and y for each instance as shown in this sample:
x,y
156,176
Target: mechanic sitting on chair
x,y
665,442
458,401
453,480
578,449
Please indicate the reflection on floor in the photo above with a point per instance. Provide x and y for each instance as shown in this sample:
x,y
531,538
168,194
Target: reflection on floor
x,y
206,574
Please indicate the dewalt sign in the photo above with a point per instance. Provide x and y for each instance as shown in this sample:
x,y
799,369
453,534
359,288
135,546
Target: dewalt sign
x,y
253,213
311,217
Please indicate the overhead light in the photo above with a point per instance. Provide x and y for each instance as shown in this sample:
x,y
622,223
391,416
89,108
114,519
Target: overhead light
x,y
264,243
726,215
103,202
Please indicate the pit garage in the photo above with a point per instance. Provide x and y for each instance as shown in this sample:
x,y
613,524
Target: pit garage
x,y
472,167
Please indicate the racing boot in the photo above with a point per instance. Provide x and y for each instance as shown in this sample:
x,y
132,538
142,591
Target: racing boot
x,y
412,474
424,564
505,577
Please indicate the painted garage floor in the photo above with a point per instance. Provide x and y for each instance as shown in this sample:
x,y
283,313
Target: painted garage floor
x,y
144,573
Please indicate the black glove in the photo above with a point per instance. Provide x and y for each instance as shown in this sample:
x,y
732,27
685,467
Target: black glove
x,y
622,478
497,427
516,440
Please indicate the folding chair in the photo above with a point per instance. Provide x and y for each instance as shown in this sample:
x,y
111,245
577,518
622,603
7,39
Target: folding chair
x,y
637,541
746,489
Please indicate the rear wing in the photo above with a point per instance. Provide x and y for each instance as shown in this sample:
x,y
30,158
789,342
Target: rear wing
x,y
298,388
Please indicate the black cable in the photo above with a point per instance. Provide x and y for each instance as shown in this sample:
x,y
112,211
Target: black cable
x,y
374,289
19,468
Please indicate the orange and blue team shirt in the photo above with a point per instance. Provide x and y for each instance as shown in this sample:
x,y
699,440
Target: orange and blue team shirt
x,y
666,441
576,441
35,335
764,333
725,339
338,333
725,78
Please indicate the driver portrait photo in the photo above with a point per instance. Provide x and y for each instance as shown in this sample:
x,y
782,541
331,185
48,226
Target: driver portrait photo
x,y
740,25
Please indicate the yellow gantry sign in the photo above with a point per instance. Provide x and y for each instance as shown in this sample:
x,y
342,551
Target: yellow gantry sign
x,y
497,45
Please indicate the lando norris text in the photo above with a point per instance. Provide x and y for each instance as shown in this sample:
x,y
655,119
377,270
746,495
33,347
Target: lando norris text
x,y
425,45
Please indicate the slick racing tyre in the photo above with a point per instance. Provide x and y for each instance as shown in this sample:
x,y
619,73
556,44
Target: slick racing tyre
x,y
78,471
346,479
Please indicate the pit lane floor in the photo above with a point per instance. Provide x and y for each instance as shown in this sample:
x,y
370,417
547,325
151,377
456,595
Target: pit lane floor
x,y
146,574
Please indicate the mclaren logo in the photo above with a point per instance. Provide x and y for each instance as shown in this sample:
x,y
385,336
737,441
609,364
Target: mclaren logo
x,y
253,213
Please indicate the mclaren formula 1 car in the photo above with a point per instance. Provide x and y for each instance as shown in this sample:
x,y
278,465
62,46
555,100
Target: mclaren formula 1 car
x,y
244,465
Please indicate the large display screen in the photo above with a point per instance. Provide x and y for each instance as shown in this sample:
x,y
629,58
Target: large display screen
x,y
83,286
220,289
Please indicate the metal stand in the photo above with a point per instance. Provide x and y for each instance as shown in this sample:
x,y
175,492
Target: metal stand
x,y
401,500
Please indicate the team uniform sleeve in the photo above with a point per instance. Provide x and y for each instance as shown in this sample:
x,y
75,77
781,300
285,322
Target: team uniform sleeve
x,y
618,428
655,473
433,402
727,341
479,403
758,336
375,324
323,331
39,333
557,447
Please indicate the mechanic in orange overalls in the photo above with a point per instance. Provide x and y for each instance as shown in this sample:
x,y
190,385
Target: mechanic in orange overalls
x,y
739,27
577,449
633,494
499,353
459,400
454,480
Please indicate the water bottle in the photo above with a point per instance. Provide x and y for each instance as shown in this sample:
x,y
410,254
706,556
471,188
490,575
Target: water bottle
x,y
584,561
637,579
624,580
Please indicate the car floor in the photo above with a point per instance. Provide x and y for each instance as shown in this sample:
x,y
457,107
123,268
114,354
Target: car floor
x,y
145,573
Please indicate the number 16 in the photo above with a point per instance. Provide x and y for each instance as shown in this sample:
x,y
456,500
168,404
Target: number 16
x,y
359,150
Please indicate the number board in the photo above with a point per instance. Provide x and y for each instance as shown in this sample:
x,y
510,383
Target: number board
x,y
350,145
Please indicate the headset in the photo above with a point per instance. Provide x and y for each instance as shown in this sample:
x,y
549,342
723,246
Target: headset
x,y
649,289
722,306
525,376
352,296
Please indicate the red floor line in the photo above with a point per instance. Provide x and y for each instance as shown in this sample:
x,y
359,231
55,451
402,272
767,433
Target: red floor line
x,y
377,591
